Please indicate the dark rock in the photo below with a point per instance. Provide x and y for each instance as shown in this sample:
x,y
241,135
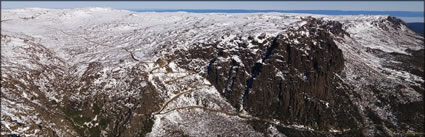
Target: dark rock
x,y
287,81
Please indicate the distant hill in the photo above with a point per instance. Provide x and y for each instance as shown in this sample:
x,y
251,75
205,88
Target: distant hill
x,y
417,27
324,12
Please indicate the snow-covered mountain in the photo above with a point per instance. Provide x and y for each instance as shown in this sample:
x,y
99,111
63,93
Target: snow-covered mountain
x,y
107,72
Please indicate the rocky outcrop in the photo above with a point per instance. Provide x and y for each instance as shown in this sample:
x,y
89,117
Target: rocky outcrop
x,y
291,77
217,75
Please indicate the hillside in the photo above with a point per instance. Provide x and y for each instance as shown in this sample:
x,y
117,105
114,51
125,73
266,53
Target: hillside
x,y
107,72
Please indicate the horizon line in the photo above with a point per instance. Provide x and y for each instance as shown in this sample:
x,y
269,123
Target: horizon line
x,y
223,9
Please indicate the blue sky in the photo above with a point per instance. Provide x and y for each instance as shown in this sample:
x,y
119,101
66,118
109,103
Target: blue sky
x,y
270,5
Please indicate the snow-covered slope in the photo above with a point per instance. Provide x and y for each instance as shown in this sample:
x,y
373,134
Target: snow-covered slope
x,y
107,72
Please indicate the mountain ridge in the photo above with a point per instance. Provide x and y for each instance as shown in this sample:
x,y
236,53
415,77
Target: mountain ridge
x,y
106,72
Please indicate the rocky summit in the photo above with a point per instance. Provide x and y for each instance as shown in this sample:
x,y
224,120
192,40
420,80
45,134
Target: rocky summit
x,y
106,72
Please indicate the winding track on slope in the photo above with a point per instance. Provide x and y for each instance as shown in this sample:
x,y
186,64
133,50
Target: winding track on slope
x,y
187,91
160,111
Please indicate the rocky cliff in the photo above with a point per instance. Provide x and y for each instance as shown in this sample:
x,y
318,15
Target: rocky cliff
x,y
187,74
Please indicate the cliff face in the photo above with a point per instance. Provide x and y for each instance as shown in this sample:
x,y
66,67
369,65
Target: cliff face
x,y
290,77
183,74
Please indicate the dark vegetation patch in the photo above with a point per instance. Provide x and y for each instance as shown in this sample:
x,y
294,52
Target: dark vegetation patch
x,y
147,127
79,117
